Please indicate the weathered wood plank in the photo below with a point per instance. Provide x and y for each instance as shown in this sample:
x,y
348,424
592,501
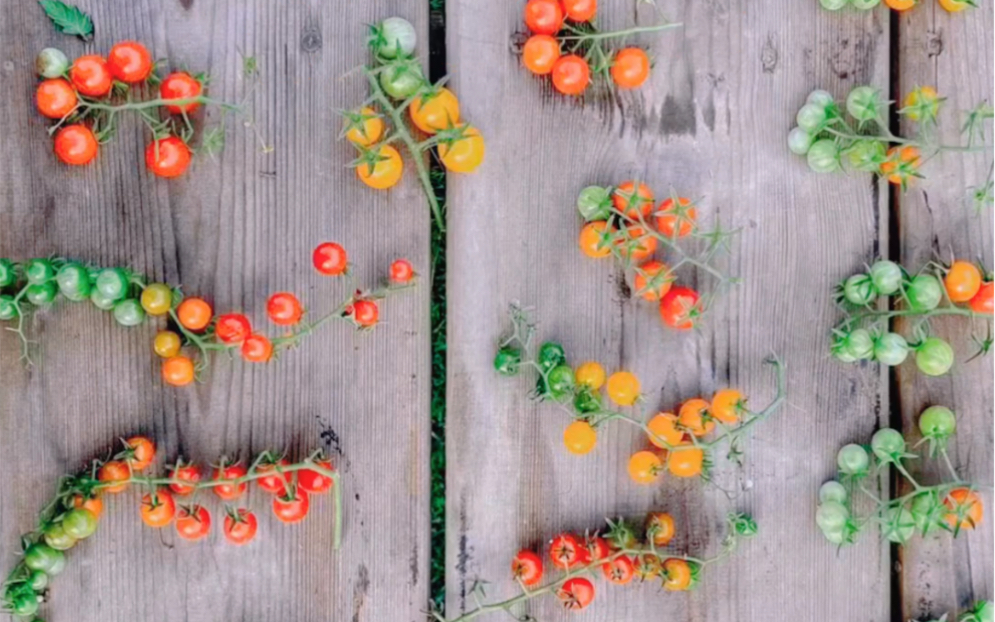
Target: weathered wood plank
x,y
711,123
234,231
954,53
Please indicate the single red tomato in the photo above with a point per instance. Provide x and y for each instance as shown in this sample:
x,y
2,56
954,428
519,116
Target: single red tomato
x,y
284,309
401,271
983,301
330,259
230,492
182,475
291,509
274,482
55,98
576,594
571,75
193,523
180,85
232,328
240,526
680,308
527,568
566,551
129,62
544,17
365,313
91,76
257,348
580,10
167,157
314,482
76,145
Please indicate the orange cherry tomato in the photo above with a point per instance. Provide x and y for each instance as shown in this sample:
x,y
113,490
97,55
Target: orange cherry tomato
x,y
663,432
540,53
594,241
363,128
630,68
436,111
91,76
965,509
141,452
183,86
623,388
544,17
686,461
193,523
984,300
178,371
963,281
677,575
955,6
695,418
55,98
194,313
653,280
634,203
645,467
580,10
76,145
167,157
901,165
901,5
463,154
579,438
94,504
257,348
116,473
676,222
636,243
158,508
619,571
129,62
571,75
726,405
660,528
386,170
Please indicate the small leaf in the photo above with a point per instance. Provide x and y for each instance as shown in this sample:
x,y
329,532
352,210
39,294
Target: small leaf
x,y
68,19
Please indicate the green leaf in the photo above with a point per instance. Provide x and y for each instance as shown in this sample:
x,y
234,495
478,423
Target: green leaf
x,y
68,19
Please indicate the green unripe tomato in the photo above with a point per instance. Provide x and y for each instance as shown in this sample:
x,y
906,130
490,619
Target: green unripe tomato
x,y
587,402
129,312
852,459
799,141
402,79
824,156
888,444
891,349
833,5
842,354
74,282
937,422
924,292
550,355
8,310
39,556
859,290
832,491
507,361
865,5
831,516
859,344
899,525
561,381
394,37
934,357
864,104
51,63
886,276
821,98
811,118
100,301
835,536
39,271
42,294
983,611
37,580
25,604
57,538
8,273
866,155
594,203
926,512
79,523
112,283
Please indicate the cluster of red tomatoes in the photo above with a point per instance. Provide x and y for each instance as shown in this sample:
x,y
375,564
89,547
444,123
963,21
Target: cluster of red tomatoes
x,y
80,96
558,25
626,222
619,555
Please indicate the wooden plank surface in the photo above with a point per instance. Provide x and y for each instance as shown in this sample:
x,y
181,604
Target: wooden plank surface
x,y
712,122
954,53
234,231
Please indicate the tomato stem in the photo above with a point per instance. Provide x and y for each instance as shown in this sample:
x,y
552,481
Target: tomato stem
x,y
582,36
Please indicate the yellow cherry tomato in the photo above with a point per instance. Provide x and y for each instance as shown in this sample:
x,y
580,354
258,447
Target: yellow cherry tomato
x,y
955,6
463,154
591,375
166,344
157,299
660,528
579,437
686,461
435,111
726,405
663,432
645,467
694,417
623,388
363,128
386,171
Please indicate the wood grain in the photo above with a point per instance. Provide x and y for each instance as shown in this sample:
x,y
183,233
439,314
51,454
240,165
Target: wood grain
x,y
936,221
234,230
712,122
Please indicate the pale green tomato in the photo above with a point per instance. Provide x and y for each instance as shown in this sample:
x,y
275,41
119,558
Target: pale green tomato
x,y
934,357
835,536
891,349
924,292
799,141
852,459
811,118
858,290
51,63
819,97
129,312
833,5
865,5
843,355
859,344
886,277
888,444
824,156
899,525
926,512
937,422
866,155
831,516
394,37
864,104
832,491
594,203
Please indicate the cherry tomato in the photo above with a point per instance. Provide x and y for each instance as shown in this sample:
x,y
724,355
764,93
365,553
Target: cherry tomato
x,y
597,548
330,259
660,528
645,467
634,203
274,483
571,74
648,566
695,418
679,308
923,103
579,438
386,171
76,145
158,508
240,527
901,165
901,5
590,375
663,432
965,509
180,85
963,280
115,473
526,567
619,571
364,313
436,111
363,128
79,523
401,271
580,10
257,349
676,222
157,299
576,594
540,53
636,244
230,492
463,154
653,280
630,68
955,6
232,328
292,510
544,17
623,388
91,76
984,300
193,523
686,461
284,309
183,475
167,157
141,452
596,240
313,482
726,405
178,371
55,98
129,62
94,504
678,575
566,551
194,313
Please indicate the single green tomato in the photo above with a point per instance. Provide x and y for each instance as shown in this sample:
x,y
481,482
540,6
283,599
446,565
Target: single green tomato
x,y
8,310
38,580
79,523
934,357
891,349
811,118
25,604
866,155
74,282
864,104
824,156
926,512
561,381
833,5
899,525
835,536
402,80
886,277
112,283
937,422
100,301
394,37
57,538
859,290
924,292
42,294
39,271
129,312
832,491
594,203
39,556
820,97
888,444
8,273
51,63
587,402
865,5
550,355
799,141
507,361
852,459
831,515
859,344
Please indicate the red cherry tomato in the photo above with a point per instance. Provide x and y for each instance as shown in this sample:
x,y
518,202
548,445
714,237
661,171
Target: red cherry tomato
x,y
983,301
129,62
240,527
292,510
580,10
257,349
576,594
401,271
330,259
284,309
566,551
167,157
182,475
544,17
76,145
193,523
571,75
180,85
275,482
55,98
232,328
365,313
90,75
314,482
527,568
230,492
679,308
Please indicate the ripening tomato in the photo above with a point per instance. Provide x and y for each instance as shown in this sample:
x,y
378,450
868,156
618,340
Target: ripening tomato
x,y
680,308
576,594
166,344
566,551
275,482
386,171
623,388
526,567
619,571
194,313
193,523
653,279
232,328
129,62
678,575
540,53
663,432
90,75
231,491
182,476
465,153
314,482
580,10
579,438
435,111
167,157
590,375
726,405
363,128
55,98
544,17
92,503
364,313
291,510
178,371
330,259
901,5
158,508
984,300
596,239
695,418
636,243
401,272
571,74
686,461
141,452
76,145
645,467
965,509
180,85
634,203
115,474
630,68
963,280
257,348
284,309
660,528
157,299
676,222
240,526
901,164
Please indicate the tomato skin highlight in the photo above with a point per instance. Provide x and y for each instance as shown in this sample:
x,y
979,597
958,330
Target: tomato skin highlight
x,y
55,98
631,68
180,85
167,157
544,17
91,76
241,528
193,523
130,62
540,54
571,75
527,568
76,145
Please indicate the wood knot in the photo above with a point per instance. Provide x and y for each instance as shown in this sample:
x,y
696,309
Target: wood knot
x,y
310,40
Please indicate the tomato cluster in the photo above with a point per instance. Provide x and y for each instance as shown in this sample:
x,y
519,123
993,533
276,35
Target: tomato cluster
x,y
950,506
74,514
952,6
960,288
84,96
565,45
